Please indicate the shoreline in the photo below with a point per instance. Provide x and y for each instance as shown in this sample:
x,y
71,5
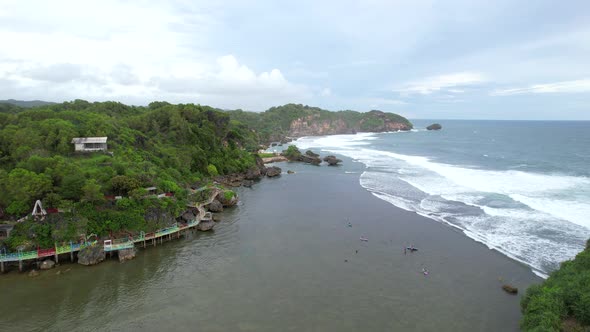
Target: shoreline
x,y
286,252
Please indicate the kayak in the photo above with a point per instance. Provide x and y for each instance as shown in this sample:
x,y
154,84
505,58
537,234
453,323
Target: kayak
x,y
412,249
364,239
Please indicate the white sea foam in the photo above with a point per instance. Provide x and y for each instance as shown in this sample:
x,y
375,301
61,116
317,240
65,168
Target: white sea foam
x,y
531,217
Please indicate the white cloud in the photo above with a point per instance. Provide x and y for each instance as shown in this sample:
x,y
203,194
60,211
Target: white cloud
x,y
376,102
576,86
143,52
326,92
448,82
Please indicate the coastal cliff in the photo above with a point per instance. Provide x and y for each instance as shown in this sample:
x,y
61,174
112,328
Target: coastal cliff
x,y
295,120
373,121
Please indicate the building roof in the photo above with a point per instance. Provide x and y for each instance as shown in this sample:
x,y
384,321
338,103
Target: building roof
x,y
82,140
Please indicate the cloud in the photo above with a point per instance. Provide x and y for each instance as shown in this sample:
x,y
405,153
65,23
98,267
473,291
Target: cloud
x,y
448,82
326,92
576,86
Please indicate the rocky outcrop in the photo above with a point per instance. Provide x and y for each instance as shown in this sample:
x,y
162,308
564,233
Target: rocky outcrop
x,y
227,198
434,126
47,265
126,254
91,255
260,165
510,289
188,216
206,225
216,217
273,171
309,159
253,174
332,160
215,206
247,183
290,172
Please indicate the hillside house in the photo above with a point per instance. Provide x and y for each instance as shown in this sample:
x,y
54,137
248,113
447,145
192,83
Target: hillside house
x,y
89,144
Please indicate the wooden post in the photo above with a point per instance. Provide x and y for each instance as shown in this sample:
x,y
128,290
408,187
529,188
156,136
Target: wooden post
x,y
20,266
56,255
71,252
154,242
2,267
144,243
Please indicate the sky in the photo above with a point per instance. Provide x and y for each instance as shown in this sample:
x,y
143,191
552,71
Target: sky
x,y
422,59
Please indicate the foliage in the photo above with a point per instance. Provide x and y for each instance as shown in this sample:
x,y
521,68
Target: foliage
x,y
564,295
163,145
228,195
292,152
212,170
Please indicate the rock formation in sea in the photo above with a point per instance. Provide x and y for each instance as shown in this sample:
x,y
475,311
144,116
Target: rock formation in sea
x,y
434,126
215,206
332,160
91,255
126,254
273,171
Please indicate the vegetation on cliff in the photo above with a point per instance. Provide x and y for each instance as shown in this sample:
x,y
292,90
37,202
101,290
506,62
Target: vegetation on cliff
x,y
279,122
165,146
562,302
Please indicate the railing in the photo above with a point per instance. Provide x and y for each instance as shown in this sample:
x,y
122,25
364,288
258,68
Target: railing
x,y
116,244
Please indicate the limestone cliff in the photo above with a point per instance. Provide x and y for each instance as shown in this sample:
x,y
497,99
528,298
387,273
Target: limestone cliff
x,y
374,121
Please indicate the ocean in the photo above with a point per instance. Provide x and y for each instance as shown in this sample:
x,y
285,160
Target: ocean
x,y
519,187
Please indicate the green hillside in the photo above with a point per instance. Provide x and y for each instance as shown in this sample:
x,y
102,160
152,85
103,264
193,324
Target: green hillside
x,y
165,146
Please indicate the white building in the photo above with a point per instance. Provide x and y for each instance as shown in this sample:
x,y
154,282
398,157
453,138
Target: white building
x,y
89,144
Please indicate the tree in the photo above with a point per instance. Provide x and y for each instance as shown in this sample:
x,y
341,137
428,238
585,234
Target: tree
x,y
26,186
92,192
123,184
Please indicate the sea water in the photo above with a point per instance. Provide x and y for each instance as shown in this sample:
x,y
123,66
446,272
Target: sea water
x,y
520,187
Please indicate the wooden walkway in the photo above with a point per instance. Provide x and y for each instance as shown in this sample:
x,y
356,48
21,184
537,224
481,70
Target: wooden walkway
x,y
110,245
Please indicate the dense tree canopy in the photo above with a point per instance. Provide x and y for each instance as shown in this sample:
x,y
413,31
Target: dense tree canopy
x,y
163,145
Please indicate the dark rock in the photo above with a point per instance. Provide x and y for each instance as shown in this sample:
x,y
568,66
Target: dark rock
x,y
91,255
273,171
332,160
290,172
253,173
311,154
247,183
260,165
126,254
309,159
434,126
216,217
188,216
34,273
47,264
215,206
206,225
510,289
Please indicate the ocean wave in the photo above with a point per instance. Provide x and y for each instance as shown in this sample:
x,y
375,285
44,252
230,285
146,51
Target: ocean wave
x,y
536,218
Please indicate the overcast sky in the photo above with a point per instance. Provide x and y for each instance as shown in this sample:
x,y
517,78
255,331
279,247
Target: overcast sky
x,y
422,59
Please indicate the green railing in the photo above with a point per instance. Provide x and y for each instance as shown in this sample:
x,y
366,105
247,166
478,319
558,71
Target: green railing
x,y
116,244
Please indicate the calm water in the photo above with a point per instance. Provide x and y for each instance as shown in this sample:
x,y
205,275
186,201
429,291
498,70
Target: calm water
x,y
521,187
285,260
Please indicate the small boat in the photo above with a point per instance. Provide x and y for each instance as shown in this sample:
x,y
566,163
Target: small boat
x,y
412,249
364,239
349,225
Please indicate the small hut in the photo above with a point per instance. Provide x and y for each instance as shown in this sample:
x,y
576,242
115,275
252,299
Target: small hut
x,y
89,144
